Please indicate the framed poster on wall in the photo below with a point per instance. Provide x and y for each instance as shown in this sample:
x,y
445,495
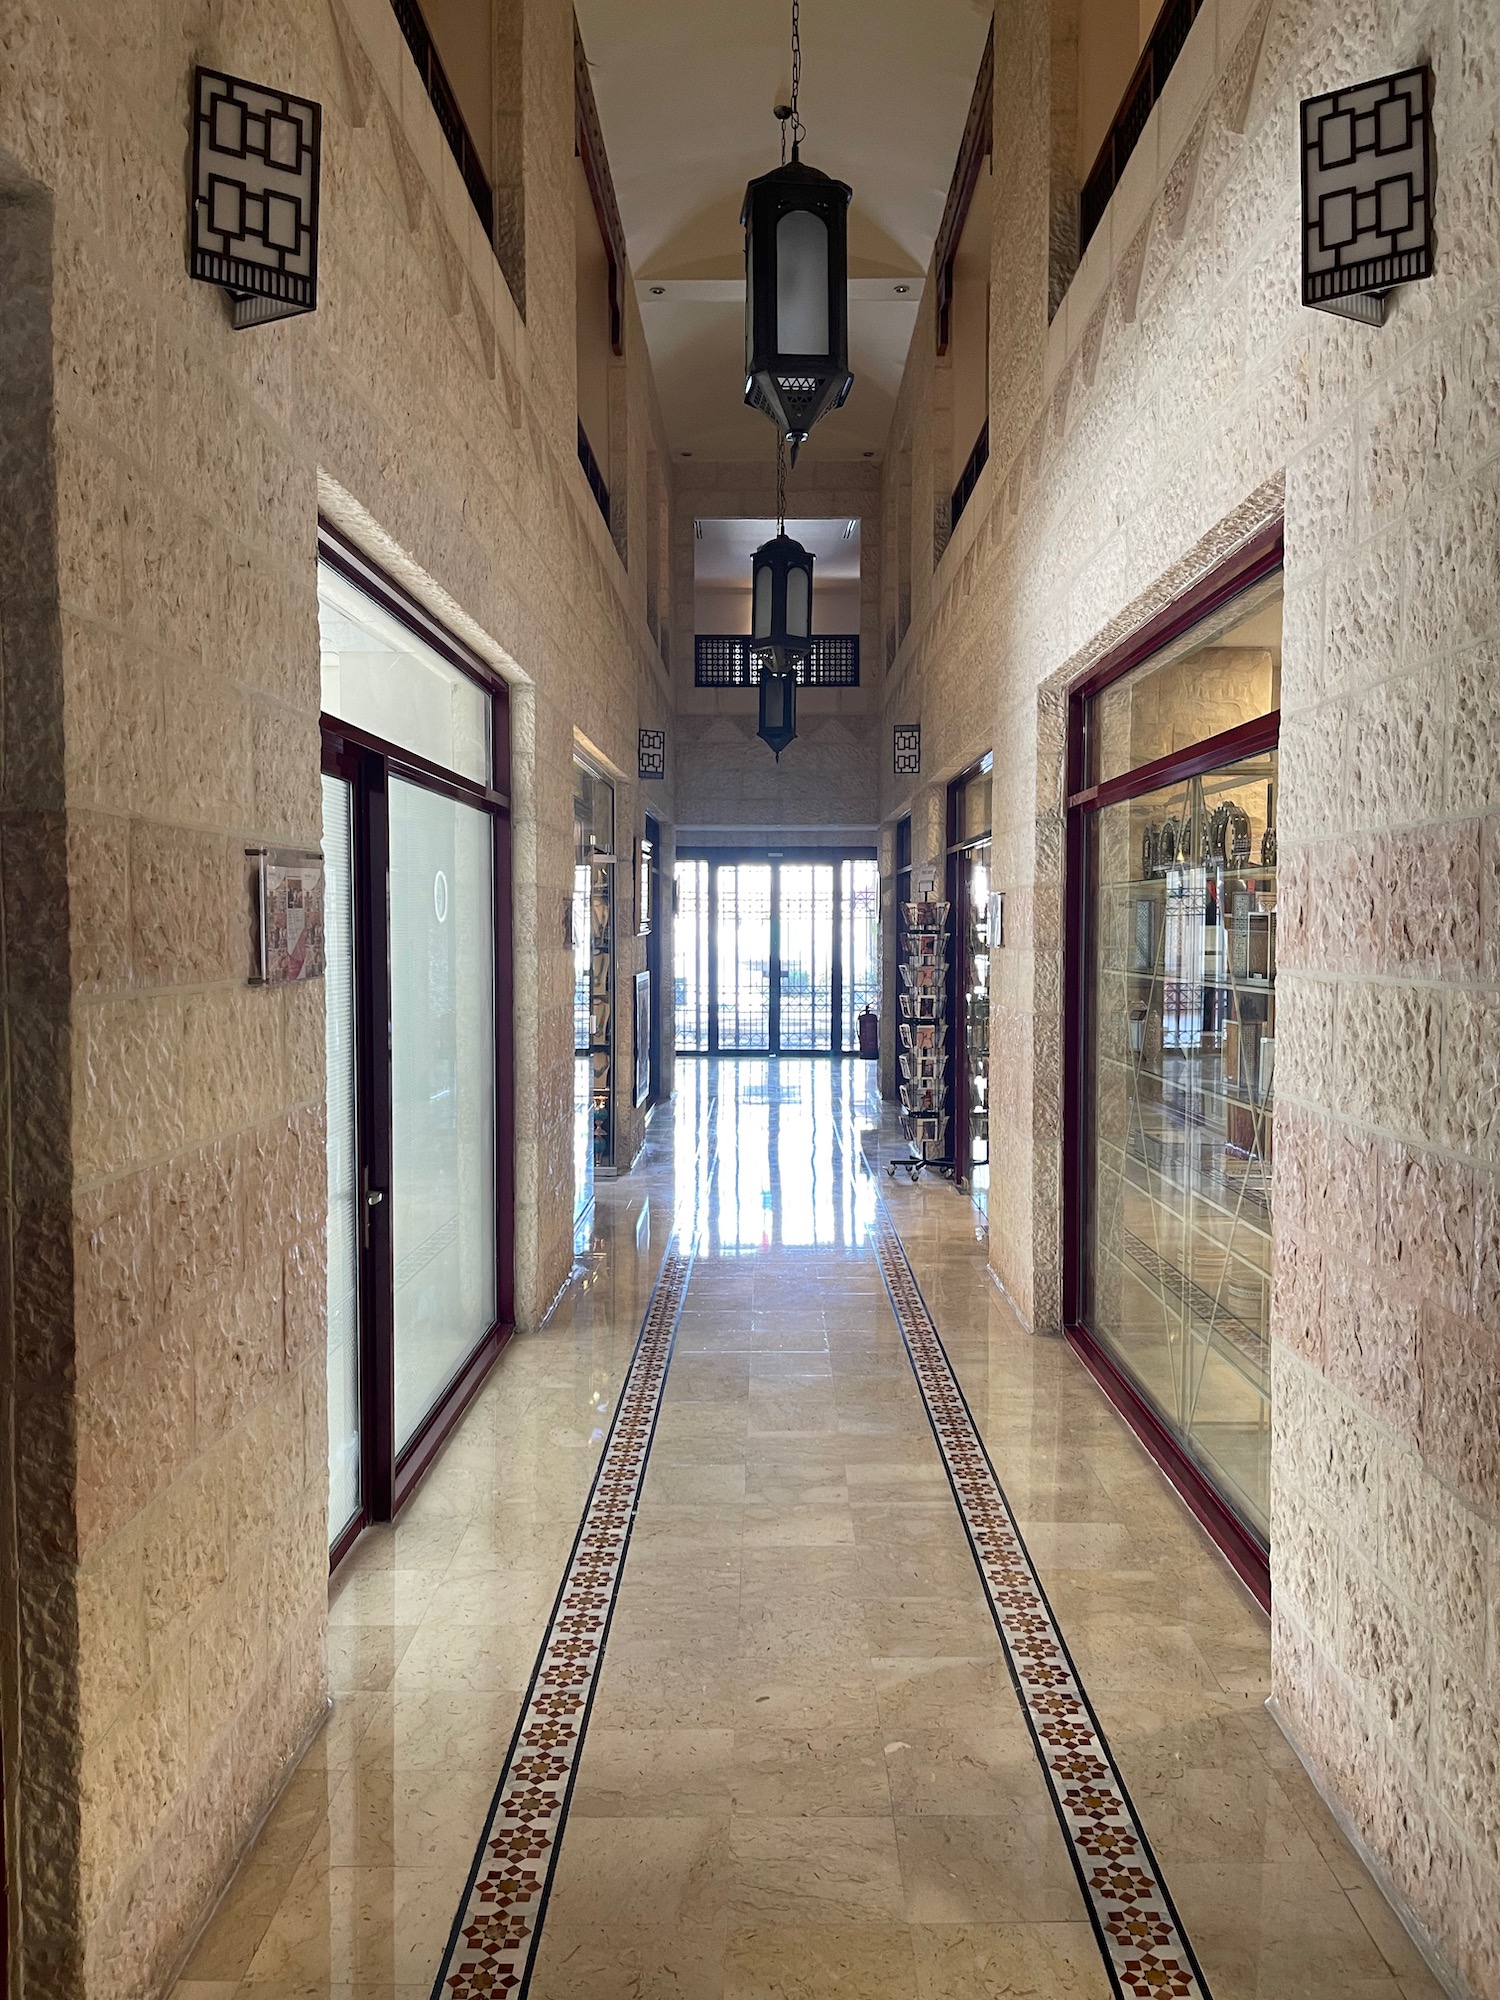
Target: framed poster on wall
x,y
642,1037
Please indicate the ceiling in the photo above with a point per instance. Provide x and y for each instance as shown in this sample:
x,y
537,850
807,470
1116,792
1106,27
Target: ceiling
x,y
686,90
722,550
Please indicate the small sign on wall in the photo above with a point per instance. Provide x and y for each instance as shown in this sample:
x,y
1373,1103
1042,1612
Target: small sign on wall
x,y
287,941
1366,193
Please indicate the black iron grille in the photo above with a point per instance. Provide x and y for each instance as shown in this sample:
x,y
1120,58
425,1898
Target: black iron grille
x,y
592,473
968,479
726,659
1141,93
445,104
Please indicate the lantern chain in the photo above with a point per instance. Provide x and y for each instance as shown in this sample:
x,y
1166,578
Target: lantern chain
x,y
787,113
780,484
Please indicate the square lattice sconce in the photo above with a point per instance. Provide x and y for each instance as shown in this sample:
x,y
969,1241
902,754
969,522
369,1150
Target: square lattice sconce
x,y
1366,193
253,227
652,755
908,750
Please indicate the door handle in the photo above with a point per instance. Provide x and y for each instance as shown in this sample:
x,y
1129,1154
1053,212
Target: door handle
x,y
373,1198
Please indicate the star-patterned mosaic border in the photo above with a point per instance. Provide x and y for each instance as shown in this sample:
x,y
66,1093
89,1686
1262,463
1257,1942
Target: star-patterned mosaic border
x,y
1145,1949
493,1943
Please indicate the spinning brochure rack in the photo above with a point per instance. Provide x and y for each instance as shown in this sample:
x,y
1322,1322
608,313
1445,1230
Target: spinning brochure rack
x,y
924,1039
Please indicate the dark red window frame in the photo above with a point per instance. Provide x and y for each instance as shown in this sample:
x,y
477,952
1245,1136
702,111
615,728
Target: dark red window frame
x,y
1260,557
388,1478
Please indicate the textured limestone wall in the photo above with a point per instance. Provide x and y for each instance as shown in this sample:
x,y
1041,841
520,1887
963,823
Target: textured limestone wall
x,y
729,786
1179,398
163,1369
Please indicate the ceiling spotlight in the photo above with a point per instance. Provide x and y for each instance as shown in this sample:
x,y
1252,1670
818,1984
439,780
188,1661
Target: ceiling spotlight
x,y
902,290
658,291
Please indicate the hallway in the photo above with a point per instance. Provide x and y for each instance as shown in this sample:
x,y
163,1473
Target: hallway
x,y
801,1765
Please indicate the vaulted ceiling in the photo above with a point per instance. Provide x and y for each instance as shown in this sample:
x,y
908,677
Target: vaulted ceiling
x,y
686,91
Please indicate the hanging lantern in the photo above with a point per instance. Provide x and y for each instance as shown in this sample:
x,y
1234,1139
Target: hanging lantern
x,y
778,708
796,223
796,297
781,581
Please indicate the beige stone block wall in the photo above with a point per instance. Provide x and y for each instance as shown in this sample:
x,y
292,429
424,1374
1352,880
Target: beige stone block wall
x,y
164,1367
1178,399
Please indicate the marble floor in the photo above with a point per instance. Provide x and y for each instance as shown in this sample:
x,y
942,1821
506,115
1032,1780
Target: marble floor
x,y
806,1772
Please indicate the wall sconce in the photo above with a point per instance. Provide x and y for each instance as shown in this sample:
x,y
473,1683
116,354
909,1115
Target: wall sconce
x,y
253,215
1366,193
651,753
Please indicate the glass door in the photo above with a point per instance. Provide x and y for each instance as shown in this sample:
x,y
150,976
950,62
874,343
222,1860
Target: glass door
x,y
859,954
742,969
420,1112
774,955
442,1185
805,954
690,957
345,1208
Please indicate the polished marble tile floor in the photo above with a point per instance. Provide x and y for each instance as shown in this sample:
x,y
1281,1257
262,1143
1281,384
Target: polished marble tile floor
x,y
806,1773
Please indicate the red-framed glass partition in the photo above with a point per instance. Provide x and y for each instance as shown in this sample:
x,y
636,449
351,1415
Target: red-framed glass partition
x,y
421,1134
1170,1036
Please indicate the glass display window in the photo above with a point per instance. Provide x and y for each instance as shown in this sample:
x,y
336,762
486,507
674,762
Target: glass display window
x,y
969,810
1172,1048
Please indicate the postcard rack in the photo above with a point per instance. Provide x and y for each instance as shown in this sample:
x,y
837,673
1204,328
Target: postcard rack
x,y
923,1052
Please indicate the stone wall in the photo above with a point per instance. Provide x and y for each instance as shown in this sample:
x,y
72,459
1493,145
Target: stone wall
x,y
164,1600
1178,399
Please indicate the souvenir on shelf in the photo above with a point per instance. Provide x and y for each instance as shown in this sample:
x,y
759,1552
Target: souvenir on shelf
x,y
924,1038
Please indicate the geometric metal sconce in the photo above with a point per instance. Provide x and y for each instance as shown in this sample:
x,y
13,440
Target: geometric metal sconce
x,y
907,743
652,753
1366,193
253,218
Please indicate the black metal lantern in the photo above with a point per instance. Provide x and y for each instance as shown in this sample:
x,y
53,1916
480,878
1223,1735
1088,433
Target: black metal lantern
x,y
796,296
796,223
781,583
778,708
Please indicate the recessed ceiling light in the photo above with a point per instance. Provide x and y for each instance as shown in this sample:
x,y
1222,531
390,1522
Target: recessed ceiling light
x,y
687,454
902,290
869,454
658,291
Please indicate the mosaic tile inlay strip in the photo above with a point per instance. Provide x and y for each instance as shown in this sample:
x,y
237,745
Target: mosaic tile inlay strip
x,y
1146,1952
495,1934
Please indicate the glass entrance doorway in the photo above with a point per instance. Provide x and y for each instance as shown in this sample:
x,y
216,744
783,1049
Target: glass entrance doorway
x,y
416,845
774,954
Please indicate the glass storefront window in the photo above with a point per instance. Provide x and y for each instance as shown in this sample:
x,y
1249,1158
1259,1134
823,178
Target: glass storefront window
x,y
1225,672
1179,1049
969,891
378,675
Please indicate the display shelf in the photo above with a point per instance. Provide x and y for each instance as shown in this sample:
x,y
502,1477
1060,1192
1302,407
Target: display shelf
x,y
923,1034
